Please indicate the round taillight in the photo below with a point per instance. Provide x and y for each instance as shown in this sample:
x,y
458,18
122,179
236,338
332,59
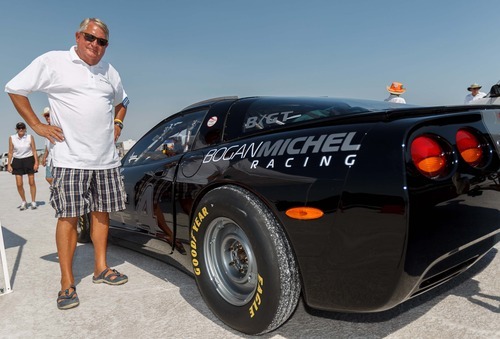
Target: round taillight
x,y
428,156
469,147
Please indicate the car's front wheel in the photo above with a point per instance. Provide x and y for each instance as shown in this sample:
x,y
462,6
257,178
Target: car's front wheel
x,y
243,263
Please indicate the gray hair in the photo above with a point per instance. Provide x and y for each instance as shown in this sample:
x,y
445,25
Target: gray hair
x,y
85,23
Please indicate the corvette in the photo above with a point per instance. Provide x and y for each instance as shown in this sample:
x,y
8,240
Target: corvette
x,y
353,205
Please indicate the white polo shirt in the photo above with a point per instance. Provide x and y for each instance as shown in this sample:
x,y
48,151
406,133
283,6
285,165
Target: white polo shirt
x,y
82,99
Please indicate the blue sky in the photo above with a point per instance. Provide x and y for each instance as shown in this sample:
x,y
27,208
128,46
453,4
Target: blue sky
x,y
171,54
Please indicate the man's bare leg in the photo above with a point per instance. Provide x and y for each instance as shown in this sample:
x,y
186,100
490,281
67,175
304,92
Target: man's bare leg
x,y
99,234
99,229
66,236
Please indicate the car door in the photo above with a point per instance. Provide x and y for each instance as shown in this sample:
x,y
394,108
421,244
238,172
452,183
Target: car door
x,y
149,171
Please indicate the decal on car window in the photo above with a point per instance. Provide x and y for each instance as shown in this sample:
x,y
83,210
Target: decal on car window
x,y
279,118
212,121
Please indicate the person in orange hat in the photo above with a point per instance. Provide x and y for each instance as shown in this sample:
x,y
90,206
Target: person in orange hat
x,y
395,90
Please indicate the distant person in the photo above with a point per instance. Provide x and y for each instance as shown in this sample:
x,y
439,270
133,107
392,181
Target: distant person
x,y
395,90
23,159
46,158
474,94
88,105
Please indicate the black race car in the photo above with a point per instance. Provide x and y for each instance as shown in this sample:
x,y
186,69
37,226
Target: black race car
x,y
354,205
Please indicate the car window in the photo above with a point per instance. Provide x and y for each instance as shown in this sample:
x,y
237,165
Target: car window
x,y
254,115
170,138
266,114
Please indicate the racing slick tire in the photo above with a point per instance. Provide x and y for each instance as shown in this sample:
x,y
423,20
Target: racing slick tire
x,y
244,265
83,229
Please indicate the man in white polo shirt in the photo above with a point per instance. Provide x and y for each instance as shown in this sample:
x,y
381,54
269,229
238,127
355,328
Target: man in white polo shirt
x,y
88,105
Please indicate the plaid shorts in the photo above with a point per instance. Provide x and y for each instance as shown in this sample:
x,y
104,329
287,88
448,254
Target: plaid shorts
x,y
76,192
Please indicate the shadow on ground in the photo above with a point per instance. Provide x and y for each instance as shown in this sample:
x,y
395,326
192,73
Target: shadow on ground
x,y
12,240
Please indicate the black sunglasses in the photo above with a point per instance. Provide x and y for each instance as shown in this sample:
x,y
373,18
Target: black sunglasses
x,y
90,38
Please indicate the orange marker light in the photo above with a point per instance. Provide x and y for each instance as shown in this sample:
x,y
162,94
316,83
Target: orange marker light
x,y
304,213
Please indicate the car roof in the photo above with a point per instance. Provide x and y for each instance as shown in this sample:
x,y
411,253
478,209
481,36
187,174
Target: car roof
x,y
208,102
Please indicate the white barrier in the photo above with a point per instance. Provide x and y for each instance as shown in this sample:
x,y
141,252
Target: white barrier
x,y
4,264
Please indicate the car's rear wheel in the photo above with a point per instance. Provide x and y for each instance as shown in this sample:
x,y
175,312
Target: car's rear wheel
x,y
83,228
243,263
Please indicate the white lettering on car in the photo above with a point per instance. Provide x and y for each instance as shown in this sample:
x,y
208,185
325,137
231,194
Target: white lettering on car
x,y
303,145
349,160
277,118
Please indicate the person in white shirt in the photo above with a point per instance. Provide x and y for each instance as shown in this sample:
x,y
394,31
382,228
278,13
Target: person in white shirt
x,y
395,90
22,159
46,158
474,94
88,105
